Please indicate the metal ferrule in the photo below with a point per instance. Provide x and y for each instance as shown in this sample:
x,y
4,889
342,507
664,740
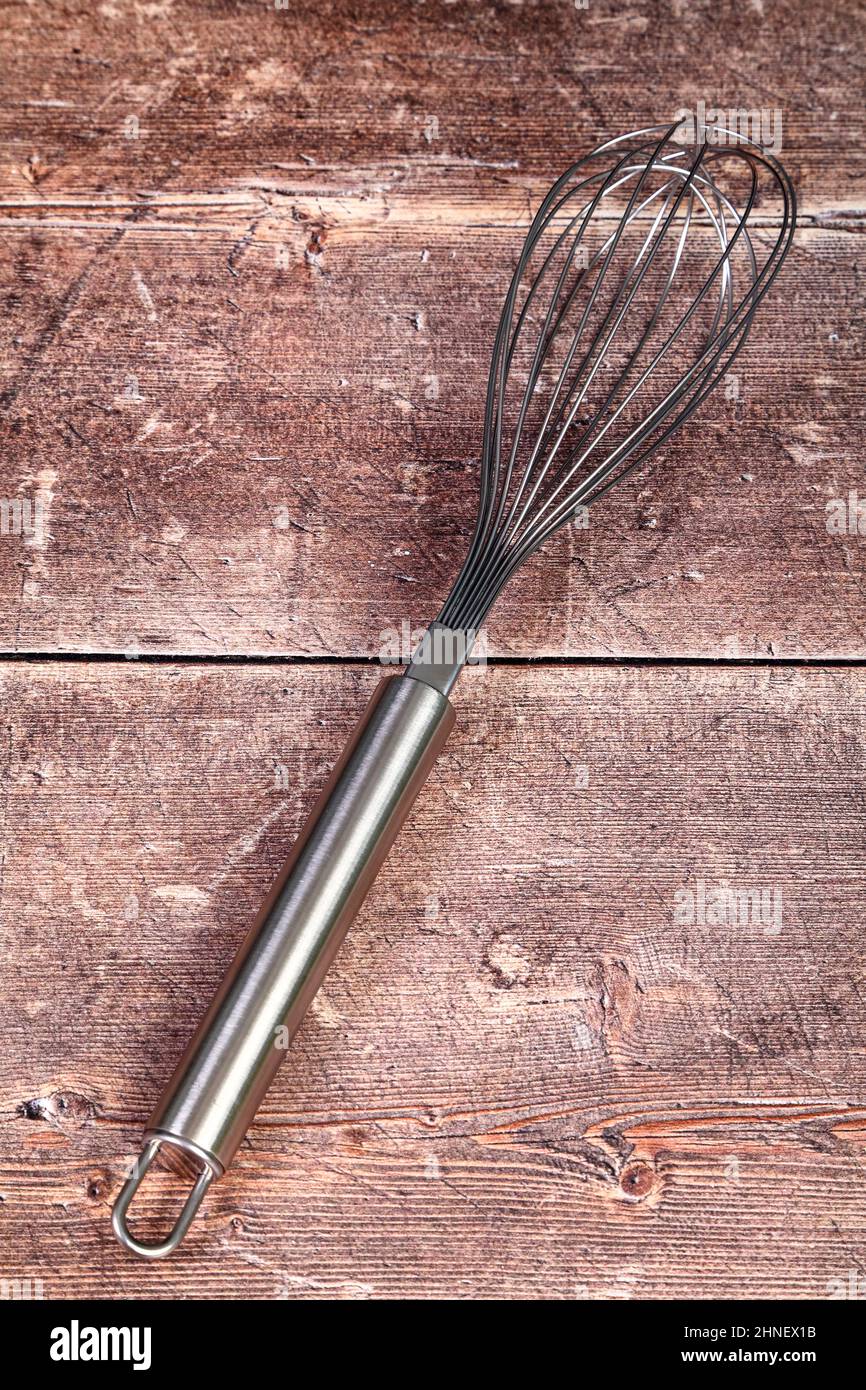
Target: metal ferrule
x,y
214,1094
442,653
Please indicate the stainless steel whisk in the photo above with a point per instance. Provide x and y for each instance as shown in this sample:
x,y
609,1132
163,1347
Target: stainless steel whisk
x,y
631,298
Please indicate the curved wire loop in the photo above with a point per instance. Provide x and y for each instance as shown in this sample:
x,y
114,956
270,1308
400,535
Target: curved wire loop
x,y
632,296
159,1249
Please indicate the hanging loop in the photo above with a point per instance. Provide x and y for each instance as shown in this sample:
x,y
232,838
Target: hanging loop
x,y
159,1250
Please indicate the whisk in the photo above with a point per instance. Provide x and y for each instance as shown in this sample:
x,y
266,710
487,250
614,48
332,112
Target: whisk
x,y
632,296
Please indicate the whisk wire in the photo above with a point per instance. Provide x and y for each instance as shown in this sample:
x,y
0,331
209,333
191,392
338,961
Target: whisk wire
x,y
492,440
489,527
560,431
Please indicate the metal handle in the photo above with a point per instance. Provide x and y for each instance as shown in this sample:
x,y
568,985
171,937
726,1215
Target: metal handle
x,y
214,1094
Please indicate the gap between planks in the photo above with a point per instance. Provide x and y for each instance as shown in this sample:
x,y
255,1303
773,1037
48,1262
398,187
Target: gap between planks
x,y
10,658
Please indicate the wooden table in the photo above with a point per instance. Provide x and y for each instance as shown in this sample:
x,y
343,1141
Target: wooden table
x,y
254,259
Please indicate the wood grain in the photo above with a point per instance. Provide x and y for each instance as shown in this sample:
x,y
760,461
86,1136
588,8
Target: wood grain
x,y
238,89
525,1077
251,263
249,348
281,484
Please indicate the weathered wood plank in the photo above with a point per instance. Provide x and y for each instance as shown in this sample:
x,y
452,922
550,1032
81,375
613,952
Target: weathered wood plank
x,y
228,92
249,334
243,374
528,1075
283,459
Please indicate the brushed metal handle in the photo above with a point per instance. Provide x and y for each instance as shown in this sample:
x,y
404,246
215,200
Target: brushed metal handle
x,y
222,1077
